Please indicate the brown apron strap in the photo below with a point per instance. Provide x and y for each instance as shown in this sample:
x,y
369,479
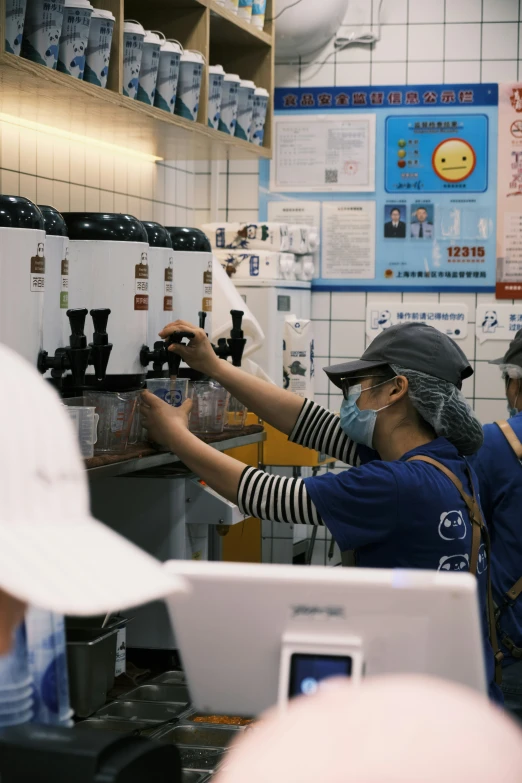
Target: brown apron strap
x,y
507,431
479,530
515,591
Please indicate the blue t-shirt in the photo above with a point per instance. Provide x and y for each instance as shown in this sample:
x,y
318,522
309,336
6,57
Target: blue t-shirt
x,y
405,515
500,479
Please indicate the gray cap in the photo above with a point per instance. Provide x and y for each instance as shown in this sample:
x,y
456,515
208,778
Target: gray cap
x,y
414,346
513,354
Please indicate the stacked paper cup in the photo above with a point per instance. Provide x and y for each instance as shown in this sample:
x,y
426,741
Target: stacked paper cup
x,y
48,667
16,692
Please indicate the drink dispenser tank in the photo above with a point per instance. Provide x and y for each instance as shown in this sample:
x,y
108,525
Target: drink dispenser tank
x,y
56,327
161,275
192,292
22,276
108,263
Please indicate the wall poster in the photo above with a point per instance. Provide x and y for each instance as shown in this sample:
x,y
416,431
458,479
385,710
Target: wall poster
x,y
428,221
509,209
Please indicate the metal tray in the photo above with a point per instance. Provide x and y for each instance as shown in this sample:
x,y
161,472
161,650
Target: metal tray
x,y
199,736
192,776
168,694
200,759
148,712
170,678
119,726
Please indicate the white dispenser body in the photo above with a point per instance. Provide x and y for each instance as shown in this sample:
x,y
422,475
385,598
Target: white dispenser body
x,y
114,275
161,286
22,286
56,328
192,287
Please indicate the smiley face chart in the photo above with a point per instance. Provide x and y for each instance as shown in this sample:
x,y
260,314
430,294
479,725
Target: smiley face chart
x,y
429,224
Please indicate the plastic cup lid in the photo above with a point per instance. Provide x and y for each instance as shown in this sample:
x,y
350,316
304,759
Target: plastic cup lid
x,y
232,77
216,69
131,26
171,46
190,56
78,4
151,38
262,91
100,13
247,83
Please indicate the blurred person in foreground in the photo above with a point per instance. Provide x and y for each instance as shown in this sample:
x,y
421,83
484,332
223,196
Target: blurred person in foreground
x,y
392,729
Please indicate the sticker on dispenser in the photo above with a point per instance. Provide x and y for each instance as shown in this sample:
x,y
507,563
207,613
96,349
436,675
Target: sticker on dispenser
x,y
167,304
206,304
64,300
141,302
65,264
169,285
37,277
142,269
142,287
207,277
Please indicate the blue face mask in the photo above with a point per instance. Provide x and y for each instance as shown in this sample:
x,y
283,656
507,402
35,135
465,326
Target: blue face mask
x,y
357,424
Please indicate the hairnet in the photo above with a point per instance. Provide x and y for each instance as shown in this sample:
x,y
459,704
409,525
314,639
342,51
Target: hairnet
x,y
511,371
445,408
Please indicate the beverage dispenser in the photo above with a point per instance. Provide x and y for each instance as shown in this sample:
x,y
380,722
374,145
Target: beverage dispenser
x,y
56,297
108,261
161,272
22,275
192,291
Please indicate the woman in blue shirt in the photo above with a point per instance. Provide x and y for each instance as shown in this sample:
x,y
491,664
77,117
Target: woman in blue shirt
x,y
403,410
499,471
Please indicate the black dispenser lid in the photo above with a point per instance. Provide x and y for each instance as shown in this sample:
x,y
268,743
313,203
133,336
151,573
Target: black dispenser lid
x,y
19,212
54,222
105,227
157,234
192,239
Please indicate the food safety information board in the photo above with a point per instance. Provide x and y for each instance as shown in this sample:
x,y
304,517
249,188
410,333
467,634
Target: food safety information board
x,y
509,214
403,181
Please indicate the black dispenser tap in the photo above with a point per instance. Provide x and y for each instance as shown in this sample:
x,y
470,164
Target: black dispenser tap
x,y
202,318
161,354
100,347
235,344
75,357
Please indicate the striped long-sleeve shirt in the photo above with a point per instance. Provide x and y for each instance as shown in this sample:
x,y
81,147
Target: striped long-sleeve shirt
x,y
282,499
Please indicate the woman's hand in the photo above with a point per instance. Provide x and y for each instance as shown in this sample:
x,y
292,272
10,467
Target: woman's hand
x,y
199,353
161,420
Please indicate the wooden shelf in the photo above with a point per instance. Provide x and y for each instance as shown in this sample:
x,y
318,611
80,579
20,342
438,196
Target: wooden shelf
x,y
31,93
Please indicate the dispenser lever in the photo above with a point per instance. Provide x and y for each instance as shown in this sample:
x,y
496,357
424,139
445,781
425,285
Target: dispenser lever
x,y
202,318
177,337
77,318
100,318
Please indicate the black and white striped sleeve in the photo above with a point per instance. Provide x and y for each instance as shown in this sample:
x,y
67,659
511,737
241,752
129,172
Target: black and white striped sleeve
x,y
319,429
276,498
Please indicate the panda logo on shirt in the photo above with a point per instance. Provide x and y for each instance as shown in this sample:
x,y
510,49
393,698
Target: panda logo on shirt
x,y
452,526
454,563
482,562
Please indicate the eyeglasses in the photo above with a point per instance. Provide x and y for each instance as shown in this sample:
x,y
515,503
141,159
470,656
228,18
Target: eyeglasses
x,y
353,380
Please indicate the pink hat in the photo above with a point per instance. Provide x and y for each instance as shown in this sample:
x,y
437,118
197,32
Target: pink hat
x,y
394,729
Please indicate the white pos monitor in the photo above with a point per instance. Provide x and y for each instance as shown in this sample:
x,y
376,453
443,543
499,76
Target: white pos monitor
x,y
251,636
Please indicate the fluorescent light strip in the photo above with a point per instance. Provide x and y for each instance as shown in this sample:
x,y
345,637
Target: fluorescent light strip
x,y
37,126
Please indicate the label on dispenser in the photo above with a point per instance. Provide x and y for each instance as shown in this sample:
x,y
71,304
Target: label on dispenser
x,y
206,304
141,299
65,267
37,278
64,300
64,293
167,304
169,287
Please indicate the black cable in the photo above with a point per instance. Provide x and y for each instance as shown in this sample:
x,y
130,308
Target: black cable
x,y
281,12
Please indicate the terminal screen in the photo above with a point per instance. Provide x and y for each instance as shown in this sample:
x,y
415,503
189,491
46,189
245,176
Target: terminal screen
x,y
307,671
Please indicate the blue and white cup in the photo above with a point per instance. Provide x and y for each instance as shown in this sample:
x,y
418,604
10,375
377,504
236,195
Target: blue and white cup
x,y
245,10
245,109
168,74
216,74
257,128
42,31
189,84
48,666
14,25
16,690
75,37
97,56
228,113
172,392
149,68
133,37
258,13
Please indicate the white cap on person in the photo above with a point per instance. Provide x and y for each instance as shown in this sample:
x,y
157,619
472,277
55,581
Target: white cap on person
x,y
53,554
